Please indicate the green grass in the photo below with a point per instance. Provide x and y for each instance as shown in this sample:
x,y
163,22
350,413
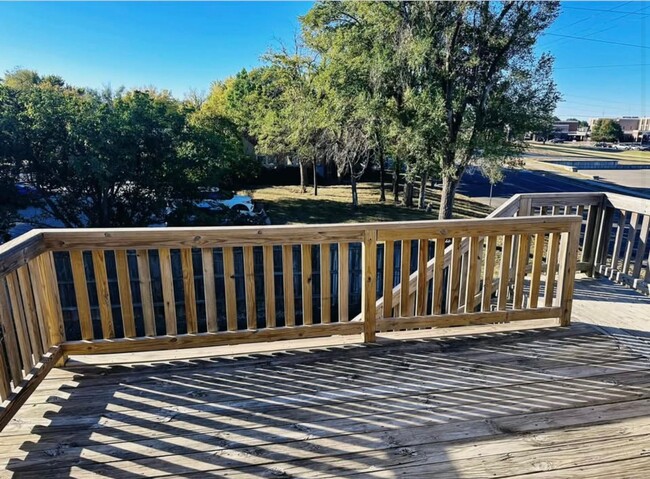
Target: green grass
x,y
286,205
578,151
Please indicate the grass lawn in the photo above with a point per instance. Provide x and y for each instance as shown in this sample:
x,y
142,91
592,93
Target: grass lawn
x,y
577,151
286,205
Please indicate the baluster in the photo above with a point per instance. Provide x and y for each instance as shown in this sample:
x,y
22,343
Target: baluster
x,y
269,286
307,290
249,283
504,273
287,283
20,322
81,294
535,282
520,272
618,241
207,262
189,293
124,286
488,276
389,264
5,378
438,275
423,252
640,252
325,284
103,294
454,276
9,336
146,295
631,238
405,274
27,297
551,268
231,292
169,301
472,275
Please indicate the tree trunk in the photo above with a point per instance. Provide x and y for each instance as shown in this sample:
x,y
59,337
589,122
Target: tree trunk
x,y
303,186
382,174
355,197
396,167
447,198
423,190
315,180
408,193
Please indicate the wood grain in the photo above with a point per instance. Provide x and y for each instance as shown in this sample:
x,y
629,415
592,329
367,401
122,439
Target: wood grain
x,y
269,287
126,298
189,293
169,300
103,294
209,289
81,294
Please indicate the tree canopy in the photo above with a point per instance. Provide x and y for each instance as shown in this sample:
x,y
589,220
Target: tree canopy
x,y
606,130
111,158
460,78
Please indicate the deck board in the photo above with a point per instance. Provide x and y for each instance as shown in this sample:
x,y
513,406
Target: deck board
x,y
563,402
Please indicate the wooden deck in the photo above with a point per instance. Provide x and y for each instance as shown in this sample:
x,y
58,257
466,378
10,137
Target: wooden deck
x,y
566,402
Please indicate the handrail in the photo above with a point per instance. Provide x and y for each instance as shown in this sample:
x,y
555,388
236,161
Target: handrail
x,y
88,291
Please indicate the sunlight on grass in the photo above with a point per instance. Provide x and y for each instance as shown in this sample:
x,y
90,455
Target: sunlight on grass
x,y
564,151
286,205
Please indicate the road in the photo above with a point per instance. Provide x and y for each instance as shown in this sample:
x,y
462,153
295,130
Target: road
x,y
477,187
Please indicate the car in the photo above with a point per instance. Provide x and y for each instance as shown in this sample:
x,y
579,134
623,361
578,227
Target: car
x,y
557,140
621,147
644,148
211,198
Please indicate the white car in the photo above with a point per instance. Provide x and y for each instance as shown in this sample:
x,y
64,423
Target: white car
x,y
215,199
243,204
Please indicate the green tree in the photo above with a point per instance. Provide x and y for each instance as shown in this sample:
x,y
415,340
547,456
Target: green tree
x,y
463,77
606,130
112,158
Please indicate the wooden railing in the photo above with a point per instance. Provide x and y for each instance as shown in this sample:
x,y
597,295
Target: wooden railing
x,y
621,249
614,239
89,291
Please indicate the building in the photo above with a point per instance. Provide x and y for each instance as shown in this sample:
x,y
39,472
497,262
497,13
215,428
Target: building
x,y
569,130
635,129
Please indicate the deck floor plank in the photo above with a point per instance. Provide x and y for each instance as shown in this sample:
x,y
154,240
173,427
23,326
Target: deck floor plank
x,y
565,402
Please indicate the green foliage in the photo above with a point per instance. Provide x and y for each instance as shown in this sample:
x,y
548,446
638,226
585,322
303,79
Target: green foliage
x,y
606,130
111,158
458,81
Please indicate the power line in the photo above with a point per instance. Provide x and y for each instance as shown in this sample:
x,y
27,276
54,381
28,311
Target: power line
x,y
605,11
604,66
586,31
598,100
599,41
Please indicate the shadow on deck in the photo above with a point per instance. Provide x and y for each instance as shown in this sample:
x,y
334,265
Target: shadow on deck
x,y
565,402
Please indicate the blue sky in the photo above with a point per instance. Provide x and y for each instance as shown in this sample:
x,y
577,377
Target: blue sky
x,y
183,46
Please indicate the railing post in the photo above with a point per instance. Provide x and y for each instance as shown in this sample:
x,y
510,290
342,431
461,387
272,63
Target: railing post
x,y
594,217
369,287
525,206
53,315
568,266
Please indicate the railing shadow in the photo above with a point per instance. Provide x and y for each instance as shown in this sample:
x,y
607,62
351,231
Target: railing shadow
x,y
344,411
603,290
